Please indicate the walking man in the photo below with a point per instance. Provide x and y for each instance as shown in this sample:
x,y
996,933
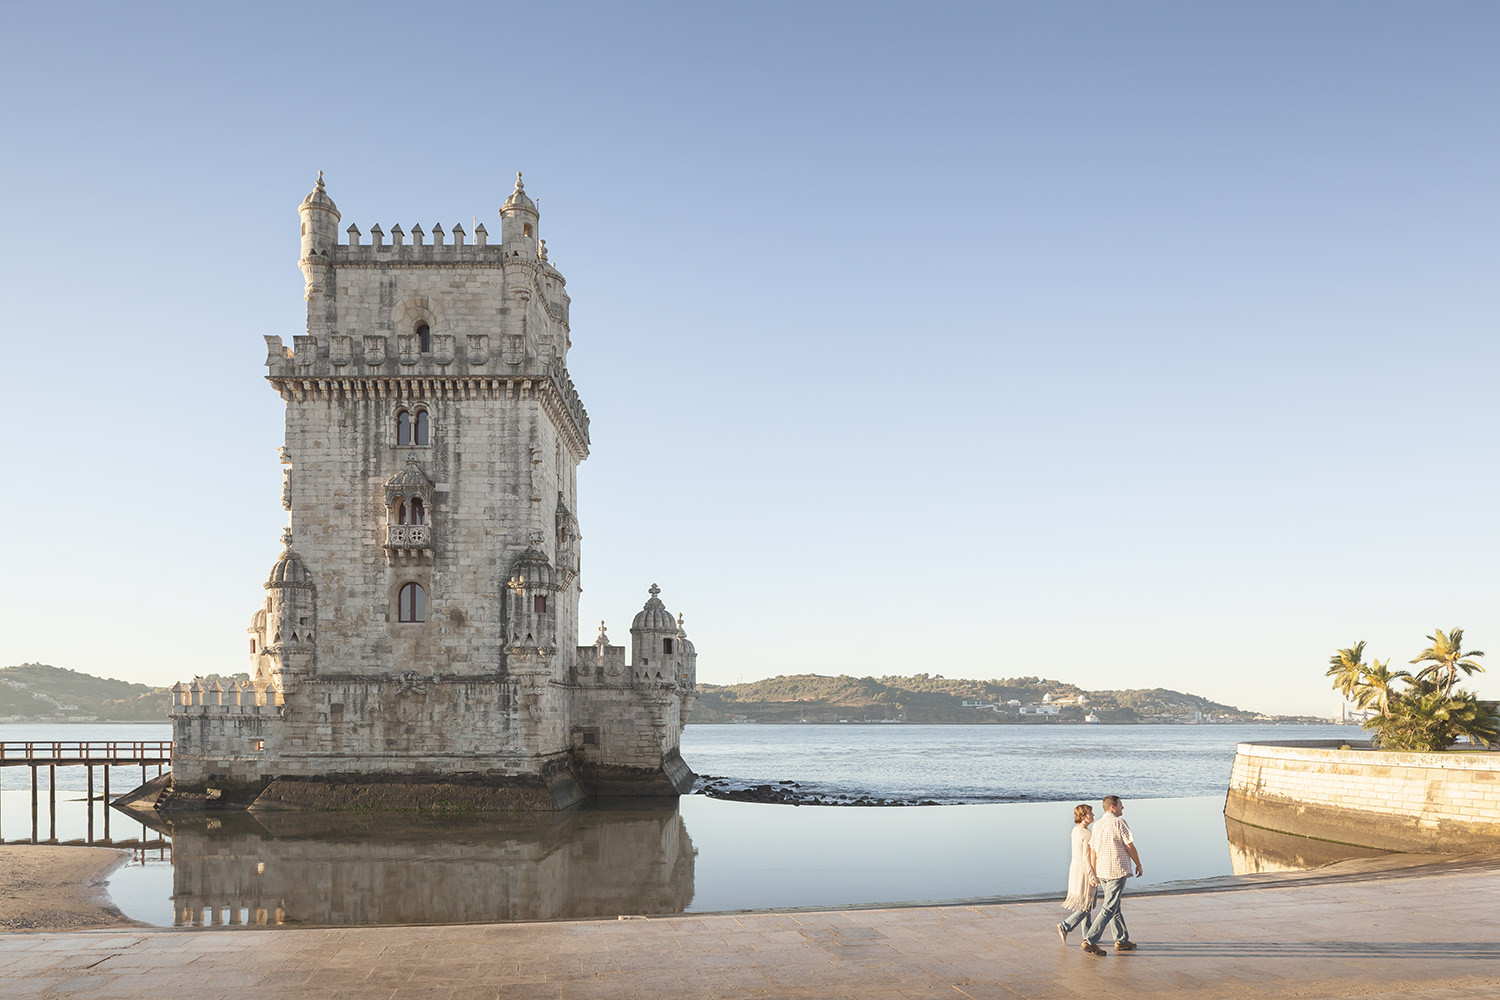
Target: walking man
x,y
1111,852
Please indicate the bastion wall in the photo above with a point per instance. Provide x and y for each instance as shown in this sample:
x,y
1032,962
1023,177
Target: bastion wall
x,y
1433,803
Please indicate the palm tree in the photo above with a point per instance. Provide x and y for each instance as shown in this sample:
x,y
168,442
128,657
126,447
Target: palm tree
x,y
1468,716
1446,657
1376,687
1346,667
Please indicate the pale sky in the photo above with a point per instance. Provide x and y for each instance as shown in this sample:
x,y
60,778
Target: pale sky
x,y
1134,345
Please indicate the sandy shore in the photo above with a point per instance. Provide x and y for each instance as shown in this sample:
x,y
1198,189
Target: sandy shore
x,y
48,888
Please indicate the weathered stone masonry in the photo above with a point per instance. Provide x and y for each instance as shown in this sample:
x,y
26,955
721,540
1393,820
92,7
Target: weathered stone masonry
x,y
419,641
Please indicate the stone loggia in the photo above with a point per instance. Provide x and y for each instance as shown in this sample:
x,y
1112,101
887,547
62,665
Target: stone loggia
x,y
419,642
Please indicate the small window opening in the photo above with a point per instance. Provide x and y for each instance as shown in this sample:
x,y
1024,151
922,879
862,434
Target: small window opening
x,y
400,511
666,645
412,603
424,338
403,428
260,744
526,228
252,645
539,604
423,425
418,512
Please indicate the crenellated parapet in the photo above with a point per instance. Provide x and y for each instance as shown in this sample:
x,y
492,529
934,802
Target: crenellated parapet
x,y
239,699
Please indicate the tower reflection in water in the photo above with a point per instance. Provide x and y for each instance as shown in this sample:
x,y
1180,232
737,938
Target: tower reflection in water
x,y
335,868
1253,850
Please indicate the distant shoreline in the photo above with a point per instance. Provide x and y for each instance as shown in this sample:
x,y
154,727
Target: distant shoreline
x,y
1306,720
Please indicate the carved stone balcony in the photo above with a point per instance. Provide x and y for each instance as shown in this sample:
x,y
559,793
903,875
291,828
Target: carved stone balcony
x,y
408,543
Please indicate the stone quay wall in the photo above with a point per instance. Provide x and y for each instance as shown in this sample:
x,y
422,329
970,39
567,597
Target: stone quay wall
x,y
1432,803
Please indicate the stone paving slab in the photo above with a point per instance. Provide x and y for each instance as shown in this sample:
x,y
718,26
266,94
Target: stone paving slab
x,y
1431,933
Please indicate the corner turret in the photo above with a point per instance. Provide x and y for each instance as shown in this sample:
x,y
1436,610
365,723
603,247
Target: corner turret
x,y
320,235
518,223
653,642
291,613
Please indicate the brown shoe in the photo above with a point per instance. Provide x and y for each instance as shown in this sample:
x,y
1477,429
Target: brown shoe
x,y
1094,949
1125,946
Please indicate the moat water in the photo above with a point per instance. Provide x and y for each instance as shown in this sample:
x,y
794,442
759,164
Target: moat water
x,y
1001,831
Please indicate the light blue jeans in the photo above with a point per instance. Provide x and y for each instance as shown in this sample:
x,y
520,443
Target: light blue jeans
x,y
1075,918
1113,888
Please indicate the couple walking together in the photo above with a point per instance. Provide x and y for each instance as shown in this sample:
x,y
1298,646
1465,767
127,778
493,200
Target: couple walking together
x,y
1101,857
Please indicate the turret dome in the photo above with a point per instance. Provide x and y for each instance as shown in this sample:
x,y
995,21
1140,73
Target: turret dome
x,y
687,646
319,197
533,569
654,617
289,572
518,198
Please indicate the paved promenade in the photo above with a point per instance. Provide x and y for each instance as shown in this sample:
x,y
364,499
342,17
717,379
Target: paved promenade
x,y
1429,933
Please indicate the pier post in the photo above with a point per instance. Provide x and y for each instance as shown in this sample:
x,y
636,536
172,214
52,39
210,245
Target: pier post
x,y
33,804
89,805
106,803
52,803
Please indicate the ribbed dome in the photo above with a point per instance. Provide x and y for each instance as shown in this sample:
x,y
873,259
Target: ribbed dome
x,y
654,617
288,571
518,198
534,568
319,197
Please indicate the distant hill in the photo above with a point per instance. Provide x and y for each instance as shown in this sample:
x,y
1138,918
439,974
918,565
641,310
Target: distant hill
x,y
36,692
937,699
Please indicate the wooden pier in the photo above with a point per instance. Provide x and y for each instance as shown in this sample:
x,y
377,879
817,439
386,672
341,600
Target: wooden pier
x,y
90,754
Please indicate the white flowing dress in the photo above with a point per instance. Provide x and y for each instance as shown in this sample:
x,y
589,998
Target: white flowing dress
x,y
1080,893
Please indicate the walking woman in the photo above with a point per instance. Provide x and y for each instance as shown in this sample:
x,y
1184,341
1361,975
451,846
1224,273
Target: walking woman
x,y
1082,885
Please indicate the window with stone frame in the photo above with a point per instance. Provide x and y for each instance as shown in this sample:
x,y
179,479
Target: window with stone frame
x,y
413,427
411,603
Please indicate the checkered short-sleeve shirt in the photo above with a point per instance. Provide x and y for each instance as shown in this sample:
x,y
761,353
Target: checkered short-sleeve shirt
x,y
1111,860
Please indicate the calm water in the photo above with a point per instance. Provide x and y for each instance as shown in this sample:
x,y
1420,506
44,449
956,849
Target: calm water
x,y
1011,787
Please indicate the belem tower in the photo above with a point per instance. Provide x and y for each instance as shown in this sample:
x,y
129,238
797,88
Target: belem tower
x,y
419,641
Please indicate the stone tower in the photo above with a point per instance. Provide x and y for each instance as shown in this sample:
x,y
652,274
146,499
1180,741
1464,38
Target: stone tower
x,y
419,638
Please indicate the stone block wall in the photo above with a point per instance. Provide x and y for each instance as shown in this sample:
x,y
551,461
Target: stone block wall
x,y
1423,802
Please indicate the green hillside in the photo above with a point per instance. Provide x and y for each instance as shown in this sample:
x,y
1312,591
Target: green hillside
x,y
932,698
34,692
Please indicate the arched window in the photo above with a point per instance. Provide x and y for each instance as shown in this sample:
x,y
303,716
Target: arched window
x,y
403,428
418,512
423,425
424,338
400,511
412,604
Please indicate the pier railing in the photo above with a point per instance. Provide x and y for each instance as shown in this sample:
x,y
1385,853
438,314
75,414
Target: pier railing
x,y
88,754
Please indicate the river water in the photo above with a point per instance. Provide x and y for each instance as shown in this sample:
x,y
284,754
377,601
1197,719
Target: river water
x,y
1006,795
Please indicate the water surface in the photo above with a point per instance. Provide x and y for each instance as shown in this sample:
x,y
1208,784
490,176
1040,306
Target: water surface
x,y
1009,793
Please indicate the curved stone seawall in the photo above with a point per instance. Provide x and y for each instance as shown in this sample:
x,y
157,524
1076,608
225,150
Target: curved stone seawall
x,y
1435,803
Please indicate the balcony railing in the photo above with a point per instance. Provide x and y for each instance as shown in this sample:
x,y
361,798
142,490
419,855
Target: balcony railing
x,y
408,536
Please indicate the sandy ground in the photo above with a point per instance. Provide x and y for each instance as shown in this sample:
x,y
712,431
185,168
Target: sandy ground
x,y
49,888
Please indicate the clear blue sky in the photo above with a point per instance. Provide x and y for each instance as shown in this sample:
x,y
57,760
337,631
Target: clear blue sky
x,y
1145,344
